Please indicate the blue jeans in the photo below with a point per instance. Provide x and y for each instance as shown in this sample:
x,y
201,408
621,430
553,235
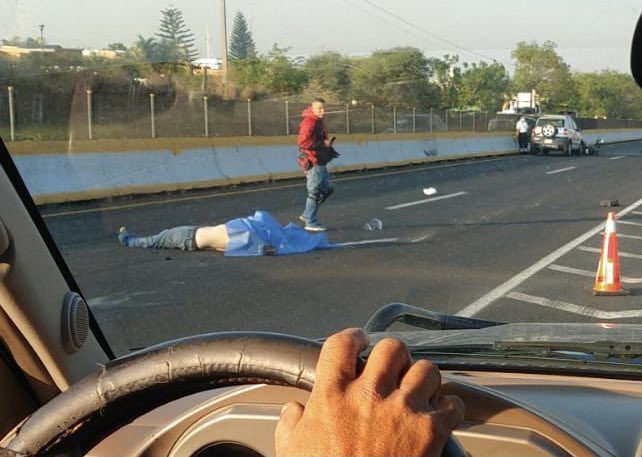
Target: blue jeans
x,y
174,238
319,188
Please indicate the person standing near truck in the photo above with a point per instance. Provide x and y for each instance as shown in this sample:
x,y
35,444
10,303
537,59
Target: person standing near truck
x,y
521,130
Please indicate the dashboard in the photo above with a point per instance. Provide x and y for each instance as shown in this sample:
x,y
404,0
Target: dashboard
x,y
507,414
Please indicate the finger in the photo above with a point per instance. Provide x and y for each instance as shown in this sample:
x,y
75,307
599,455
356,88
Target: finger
x,y
386,364
290,416
450,408
421,383
337,365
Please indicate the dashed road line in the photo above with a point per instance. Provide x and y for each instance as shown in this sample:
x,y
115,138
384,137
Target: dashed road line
x,y
279,187
500,291
590,274
575,309
637,224
361,243
560,170
616,158
630,237
628,255
427,200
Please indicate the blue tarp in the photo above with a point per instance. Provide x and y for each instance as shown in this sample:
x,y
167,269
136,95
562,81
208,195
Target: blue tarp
x,y
249,235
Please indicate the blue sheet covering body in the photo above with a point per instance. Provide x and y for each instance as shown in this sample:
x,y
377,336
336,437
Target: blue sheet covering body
x,y
249,235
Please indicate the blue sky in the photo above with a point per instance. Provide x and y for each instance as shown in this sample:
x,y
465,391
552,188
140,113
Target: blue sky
x,y
590,34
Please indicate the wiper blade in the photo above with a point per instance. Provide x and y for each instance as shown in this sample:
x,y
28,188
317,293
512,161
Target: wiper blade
x,y
391,313
599,349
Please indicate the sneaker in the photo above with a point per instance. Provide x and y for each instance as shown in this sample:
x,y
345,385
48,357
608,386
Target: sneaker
x,y
268,249
303,219
316,227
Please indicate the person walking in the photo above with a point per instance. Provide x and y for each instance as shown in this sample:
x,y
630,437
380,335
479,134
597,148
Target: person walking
x,y
521,129
315,152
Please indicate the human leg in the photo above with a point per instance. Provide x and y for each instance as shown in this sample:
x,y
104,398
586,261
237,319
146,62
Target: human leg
x,y
326,189
314,178
174,238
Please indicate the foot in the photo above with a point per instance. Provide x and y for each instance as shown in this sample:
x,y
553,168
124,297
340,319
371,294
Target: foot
x,y
268,249
303,219
123,235
315,227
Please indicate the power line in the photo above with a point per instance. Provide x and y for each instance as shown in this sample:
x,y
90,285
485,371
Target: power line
x,y
390,23
437,37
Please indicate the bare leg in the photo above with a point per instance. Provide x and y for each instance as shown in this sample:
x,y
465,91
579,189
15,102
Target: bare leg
x,y
212,237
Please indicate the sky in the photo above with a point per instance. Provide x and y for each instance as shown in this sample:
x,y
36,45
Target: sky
x,y
591,35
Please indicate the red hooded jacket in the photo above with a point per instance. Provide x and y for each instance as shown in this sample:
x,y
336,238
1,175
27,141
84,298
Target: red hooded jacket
x,y
312,134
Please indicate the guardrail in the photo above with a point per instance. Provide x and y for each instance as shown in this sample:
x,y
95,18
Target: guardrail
x,y
64,177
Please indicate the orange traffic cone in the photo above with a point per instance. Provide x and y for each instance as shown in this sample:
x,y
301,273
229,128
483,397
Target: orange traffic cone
x,y
607,280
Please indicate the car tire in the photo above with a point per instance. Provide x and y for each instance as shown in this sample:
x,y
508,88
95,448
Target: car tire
x,y
584,150
569,148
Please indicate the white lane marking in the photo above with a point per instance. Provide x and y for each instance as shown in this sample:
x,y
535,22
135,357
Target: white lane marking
x,y
560,170
575,309
420,239
639,213
628,255
638,224
616,158
590,274
484,301
622,235
427,200
359,243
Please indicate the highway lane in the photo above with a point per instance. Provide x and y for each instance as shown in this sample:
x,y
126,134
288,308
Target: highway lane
x,y
502,217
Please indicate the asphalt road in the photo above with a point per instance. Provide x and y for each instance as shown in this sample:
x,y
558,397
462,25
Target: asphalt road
x,y
506,244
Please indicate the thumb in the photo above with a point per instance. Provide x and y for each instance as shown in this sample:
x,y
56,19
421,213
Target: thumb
x,y
290,416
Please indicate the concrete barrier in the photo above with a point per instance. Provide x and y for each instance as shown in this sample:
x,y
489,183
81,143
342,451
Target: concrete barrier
x,y
56,178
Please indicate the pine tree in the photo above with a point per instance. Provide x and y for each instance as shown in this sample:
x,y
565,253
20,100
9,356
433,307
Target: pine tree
x,y
177,40
241,42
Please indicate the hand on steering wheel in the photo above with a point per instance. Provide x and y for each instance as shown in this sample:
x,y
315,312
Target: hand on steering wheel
x,y
403,397
392,408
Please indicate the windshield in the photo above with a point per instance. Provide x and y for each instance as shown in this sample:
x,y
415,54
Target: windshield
x,y
552,121
282,166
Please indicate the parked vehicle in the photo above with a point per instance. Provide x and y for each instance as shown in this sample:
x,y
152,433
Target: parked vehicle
x,y
557,133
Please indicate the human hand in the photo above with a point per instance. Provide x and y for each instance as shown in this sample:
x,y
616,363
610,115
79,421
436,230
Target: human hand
x,y
393,407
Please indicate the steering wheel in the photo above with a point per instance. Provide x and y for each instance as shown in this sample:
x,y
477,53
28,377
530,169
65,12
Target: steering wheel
x,y
77,419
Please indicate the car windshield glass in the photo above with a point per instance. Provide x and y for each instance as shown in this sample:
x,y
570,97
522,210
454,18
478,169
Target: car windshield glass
x,y
292,167
549,121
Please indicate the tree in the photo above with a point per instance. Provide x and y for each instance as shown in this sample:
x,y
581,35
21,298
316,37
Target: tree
x,y
608,94
283,75
398,76
144,49
446,75
241,42
329,74
177,41
482,85
540,68
116,47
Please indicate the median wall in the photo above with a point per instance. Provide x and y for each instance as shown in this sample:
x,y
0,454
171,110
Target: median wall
x,y
64,177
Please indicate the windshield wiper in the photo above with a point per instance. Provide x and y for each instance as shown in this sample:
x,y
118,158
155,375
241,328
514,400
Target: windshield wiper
x,y
598,349
391,313
586,351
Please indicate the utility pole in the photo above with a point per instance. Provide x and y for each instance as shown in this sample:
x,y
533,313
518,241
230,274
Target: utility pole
x,y
42,35
224,37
